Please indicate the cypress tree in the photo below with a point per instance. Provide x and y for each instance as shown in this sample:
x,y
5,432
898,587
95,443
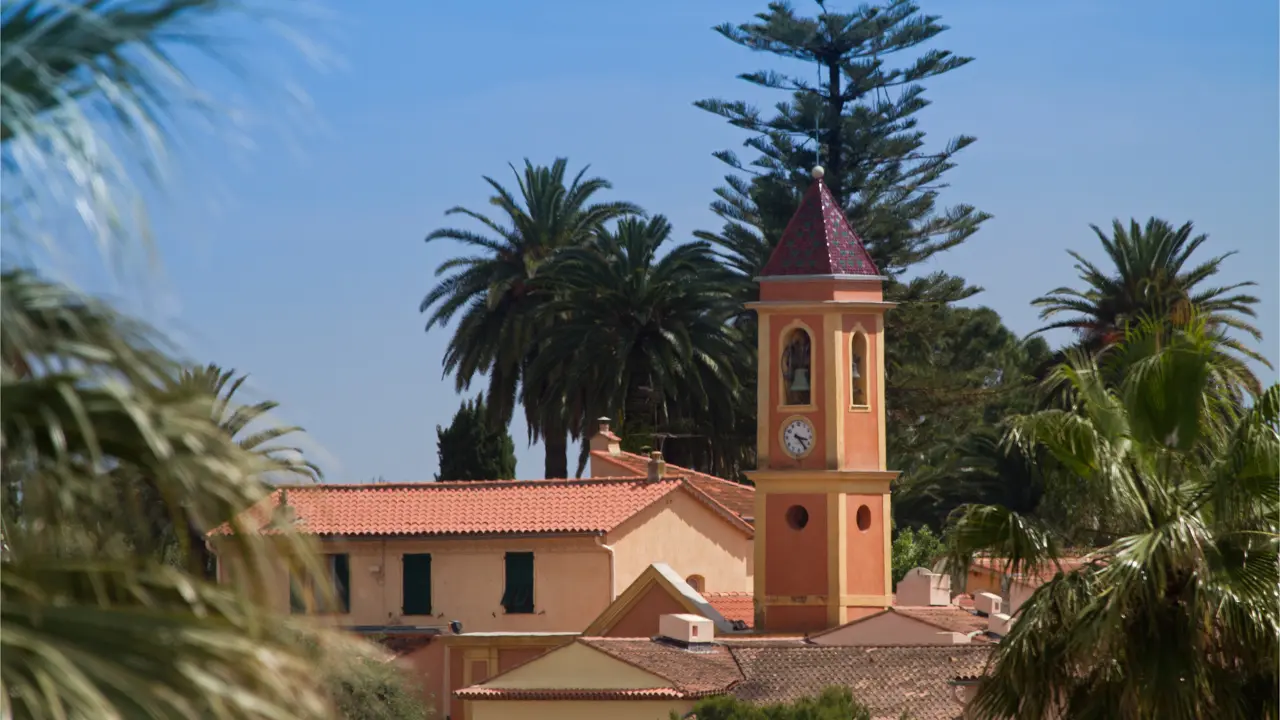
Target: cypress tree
x,y
472,448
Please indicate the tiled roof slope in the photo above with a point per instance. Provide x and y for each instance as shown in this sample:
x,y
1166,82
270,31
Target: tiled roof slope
x,y
737,498
1041,575
734,606
950,618
890,680
467,508
708,671
819,241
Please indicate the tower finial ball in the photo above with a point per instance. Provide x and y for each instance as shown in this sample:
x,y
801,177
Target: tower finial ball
x,y
818,172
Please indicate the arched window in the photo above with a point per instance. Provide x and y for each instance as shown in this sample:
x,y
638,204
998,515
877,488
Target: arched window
x,y
697,582
858,370
796,368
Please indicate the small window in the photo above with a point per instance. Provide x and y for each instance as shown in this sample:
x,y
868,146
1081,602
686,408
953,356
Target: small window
x,y
297,594
697,582
796,368
339,567
417,584
858,369
518,596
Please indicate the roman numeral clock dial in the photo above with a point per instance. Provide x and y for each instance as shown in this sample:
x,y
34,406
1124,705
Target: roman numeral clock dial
x,y
798,437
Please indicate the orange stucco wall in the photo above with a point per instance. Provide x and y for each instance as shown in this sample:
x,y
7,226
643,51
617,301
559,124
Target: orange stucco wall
x,y
865,559
684,533
427,667
641,620
796,559
820,290
571,583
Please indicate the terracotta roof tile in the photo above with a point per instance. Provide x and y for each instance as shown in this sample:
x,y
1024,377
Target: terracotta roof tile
x,y
734,606
484,693
467,508
819,241
890,680
737,498
951,618
694,673
1038,577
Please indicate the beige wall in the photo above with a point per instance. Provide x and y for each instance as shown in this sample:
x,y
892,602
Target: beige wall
x,y
889,629
690,537
578,709
571,583
578,667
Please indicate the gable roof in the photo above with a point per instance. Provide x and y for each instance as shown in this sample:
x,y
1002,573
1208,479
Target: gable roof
x,y
947,618
595,505
739,608
890,680
819,241
736,498
691,673
658,575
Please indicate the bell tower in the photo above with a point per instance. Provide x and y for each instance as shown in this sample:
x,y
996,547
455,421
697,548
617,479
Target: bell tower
x,y
822,546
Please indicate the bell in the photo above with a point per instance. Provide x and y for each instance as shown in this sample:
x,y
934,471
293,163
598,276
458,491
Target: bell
x,y
857,371
800,382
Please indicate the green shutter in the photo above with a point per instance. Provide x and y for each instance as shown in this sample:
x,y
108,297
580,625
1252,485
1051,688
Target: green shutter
x,y
417,584
340,566
297,603
518,597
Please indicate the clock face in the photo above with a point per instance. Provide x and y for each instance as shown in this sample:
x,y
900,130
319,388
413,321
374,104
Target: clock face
x,y
798,437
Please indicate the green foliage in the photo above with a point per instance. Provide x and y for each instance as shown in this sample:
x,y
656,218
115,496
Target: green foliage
x,y
835,703
913,549
639,336
1178,614
375,688
498,295
1152,279
472,448
93,622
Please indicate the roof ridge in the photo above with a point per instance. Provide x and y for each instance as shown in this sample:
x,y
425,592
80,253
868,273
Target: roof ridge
x,y
432,484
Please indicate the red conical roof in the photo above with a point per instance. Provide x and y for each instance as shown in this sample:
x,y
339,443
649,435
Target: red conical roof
x,y
819,241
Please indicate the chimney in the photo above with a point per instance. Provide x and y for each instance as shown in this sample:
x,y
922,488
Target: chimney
x,y
691,632
604,440
657,466
998,624
924,588
986,603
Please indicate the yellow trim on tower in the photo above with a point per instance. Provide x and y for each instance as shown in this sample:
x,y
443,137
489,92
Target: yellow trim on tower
x,y
758,546
887,522
835,419
763,416
836,551
880,388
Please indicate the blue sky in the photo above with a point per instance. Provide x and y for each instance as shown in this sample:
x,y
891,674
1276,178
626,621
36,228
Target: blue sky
x,y
301,259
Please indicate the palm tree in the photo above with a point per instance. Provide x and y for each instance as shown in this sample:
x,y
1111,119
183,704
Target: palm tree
x,y
1177,614
497,291
1151,276
234,419
638,337
92,625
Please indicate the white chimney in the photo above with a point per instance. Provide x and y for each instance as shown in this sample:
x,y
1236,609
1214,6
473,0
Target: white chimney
x,y
986,603
685,628
924,588
998,624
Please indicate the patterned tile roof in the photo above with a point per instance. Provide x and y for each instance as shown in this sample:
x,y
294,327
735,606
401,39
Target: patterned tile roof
x,y
734,606
950,618
466,508
819,241
735,497
1038,577
890,680
476,692
694,673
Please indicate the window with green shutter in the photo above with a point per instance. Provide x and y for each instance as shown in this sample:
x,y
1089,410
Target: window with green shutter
x,y
340,574
297,600
518,597
417,584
